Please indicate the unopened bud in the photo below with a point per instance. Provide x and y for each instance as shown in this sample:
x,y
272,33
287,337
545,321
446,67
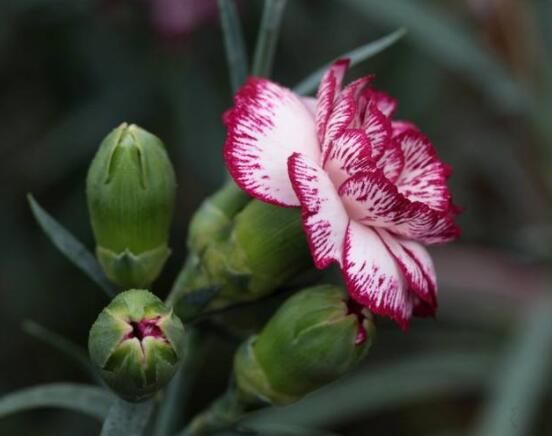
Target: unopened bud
x,y
137,342
261,249
316,336
131,192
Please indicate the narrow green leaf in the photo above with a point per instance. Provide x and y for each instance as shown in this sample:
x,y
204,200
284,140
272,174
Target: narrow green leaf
x,y
127,419
71,247
524,376
358,55
64,345
449,42
387,386
268,37
90,400
234,44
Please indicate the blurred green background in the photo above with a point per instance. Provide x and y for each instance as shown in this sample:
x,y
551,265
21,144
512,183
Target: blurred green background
x,y
475,75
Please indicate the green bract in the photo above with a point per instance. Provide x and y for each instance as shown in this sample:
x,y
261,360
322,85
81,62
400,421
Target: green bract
x,y
131,192
137,342
316,336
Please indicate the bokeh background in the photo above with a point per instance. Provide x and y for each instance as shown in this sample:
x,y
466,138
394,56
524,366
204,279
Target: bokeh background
x,y
475,75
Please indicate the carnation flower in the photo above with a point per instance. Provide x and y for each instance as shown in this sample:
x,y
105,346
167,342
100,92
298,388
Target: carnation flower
x,y
372,191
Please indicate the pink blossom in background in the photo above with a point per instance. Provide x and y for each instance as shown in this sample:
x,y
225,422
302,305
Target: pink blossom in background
x,y
177,17
372,190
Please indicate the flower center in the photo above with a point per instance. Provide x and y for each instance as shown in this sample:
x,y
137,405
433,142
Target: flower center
x,y
354,308
144,328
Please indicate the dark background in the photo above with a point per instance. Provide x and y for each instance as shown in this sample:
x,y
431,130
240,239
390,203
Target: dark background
x,y
475,75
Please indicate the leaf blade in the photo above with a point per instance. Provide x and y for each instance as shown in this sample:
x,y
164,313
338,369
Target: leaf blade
x,y
523,376
71,247
357,55
452,44
62,344
383,387
234,44
267,40
90,400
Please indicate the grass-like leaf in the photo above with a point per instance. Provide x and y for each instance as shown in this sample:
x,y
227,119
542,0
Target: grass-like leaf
x,y
268,37
358,55
128,419
64,345
390,385
71,247
523,379
236,53
449,42
90,400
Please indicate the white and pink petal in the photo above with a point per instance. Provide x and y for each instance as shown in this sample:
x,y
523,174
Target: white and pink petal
x,y
424,177
328,91
372,200
373,277
343,113
391,162
350,153
398,127
415,264
386,104
267,125
378,129
324,217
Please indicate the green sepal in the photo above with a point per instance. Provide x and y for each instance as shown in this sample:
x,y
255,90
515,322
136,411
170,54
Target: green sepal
x,y
252,380
130,270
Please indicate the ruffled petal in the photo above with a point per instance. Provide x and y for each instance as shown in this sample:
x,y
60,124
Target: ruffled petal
x,y
386,104
373,277
391,161
399,127
378,129
329,89
267,125
343,113
324,217
349,154
424,176
415,264
372,200
310,104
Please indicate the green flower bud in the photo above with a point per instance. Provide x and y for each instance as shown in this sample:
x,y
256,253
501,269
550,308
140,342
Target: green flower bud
x,y
263,248
137,342
214,218
316,336
131,192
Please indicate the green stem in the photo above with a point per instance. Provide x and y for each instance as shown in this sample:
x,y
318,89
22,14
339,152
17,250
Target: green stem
x,y
127,419
223,413
178,392
183,281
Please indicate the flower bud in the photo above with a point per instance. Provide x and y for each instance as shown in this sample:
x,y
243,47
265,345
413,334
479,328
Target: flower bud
x,y
137,342
131,191
316,336
261,249
215,216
